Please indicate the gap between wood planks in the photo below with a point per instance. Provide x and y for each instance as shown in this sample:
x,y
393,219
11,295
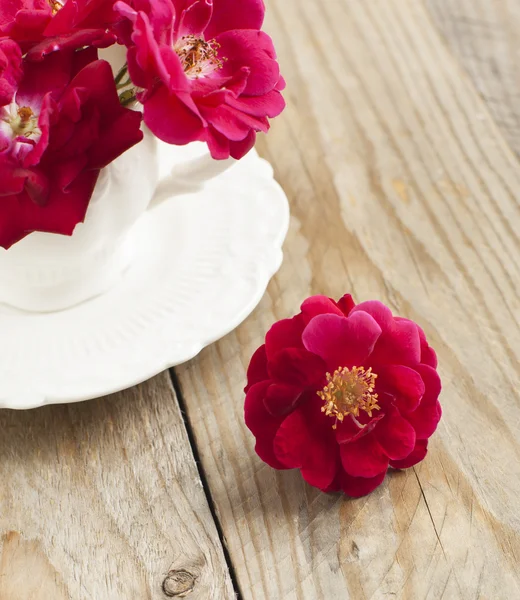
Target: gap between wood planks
x,y
205,486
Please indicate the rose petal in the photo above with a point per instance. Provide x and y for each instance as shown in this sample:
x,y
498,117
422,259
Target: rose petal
x,y
262,424
349,430
360,486
428,355
425,418
319,305
417,454
238,150
257,370
170,119
302,441
286,333
252,49
297,367
195,18
229,14
363,457
281,398
342,341
404,383
399,342
346,304
395,435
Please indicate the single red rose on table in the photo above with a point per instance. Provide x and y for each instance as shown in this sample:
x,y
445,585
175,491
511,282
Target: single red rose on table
x,y
44,26
342,392
204,70
60,125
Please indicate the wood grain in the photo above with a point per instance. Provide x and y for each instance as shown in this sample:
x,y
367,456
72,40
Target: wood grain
x,y
402,188
102,501
483,35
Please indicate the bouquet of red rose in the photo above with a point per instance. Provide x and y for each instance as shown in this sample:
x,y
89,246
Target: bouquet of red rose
x,y
196,70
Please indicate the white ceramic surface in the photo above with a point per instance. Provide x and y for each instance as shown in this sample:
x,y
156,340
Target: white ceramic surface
x,y
202,262
47,272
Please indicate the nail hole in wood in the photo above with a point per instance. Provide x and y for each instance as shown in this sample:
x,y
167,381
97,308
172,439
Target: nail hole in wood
x,y
178,584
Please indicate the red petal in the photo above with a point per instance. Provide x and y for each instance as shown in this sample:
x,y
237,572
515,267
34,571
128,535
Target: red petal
x,y
118,136
427,415
297,367
418,454
238,150
303,442
360,486
402,382
252,49
342,341
230,14
170,119
363,457
319,305
346,304
428,356
399,342
284,334
195,18
219,146
425,419
395,436
257,370
267,105
281,399
262,424
349,431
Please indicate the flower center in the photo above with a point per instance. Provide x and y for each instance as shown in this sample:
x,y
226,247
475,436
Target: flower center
x,y
198,57
55,5
19,121
347,392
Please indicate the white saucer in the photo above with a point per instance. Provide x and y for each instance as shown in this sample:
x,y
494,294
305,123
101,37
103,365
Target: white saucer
x,y
204,263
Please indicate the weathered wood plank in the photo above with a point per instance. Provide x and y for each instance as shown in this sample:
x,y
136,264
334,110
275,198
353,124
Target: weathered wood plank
x,y
402,188
101,500
484,36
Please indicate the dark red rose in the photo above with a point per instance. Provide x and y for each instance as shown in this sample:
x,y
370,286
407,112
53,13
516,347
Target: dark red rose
x,y
10,70
342,392
44,26
204,70
62,124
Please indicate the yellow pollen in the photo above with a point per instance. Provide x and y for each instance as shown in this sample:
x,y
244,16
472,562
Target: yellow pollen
x,y
198,57
20,121
55,5
347,392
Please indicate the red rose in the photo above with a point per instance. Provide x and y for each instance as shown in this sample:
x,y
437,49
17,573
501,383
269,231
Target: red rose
x,y
204,71
342,392
45,26
62,125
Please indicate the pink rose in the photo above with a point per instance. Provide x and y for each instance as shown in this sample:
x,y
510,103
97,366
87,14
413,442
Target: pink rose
x,y
62,124
204,71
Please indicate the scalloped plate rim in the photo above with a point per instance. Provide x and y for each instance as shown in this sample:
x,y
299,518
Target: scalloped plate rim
x,y
270,262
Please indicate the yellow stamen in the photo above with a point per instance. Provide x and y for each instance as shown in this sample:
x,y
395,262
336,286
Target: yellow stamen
x,y
347,392
198,57
55,5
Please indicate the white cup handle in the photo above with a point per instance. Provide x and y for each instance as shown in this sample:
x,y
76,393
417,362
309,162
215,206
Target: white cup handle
x,y
189,177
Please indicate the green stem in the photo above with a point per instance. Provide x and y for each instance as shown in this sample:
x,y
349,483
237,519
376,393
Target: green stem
x,y
122,72
126,83
127,98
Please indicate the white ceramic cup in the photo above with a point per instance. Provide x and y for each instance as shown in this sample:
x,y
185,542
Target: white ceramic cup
x,y
47,272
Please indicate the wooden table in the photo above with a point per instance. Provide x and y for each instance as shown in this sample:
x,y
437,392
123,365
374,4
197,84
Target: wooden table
x,y
399,153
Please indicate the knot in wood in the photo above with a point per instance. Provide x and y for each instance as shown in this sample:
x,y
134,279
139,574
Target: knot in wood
x,y
178,583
